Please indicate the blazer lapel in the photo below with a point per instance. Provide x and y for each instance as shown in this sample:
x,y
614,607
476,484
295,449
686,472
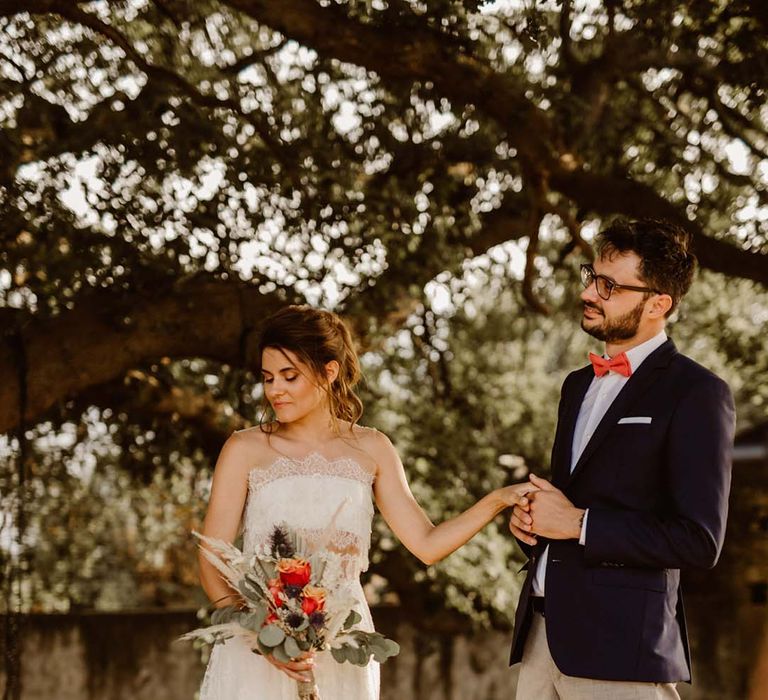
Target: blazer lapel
x,y
561,468
636,385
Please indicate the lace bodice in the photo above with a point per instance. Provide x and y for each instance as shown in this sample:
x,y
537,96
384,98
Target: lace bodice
x,y
305,494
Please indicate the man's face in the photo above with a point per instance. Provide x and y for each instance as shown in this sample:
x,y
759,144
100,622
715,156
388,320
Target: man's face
x,y
620,317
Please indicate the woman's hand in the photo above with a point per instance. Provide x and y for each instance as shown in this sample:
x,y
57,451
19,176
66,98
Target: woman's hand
x,y
296,669
516,495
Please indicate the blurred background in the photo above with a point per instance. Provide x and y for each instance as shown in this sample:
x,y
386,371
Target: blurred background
x,y
171,172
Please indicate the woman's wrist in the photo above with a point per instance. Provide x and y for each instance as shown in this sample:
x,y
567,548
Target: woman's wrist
x,y
499,501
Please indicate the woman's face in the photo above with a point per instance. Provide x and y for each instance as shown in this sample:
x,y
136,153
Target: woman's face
x,y
290,385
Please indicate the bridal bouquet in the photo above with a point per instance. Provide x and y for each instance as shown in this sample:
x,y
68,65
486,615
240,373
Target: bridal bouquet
x,y
294,602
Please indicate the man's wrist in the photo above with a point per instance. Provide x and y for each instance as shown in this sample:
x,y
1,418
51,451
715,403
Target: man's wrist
x,y
579,523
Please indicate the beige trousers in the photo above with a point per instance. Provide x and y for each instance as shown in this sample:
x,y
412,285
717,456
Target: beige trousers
x,y
540,679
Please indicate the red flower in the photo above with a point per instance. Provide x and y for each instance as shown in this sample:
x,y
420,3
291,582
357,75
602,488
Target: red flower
x,y
272,617
294,572
313,600
276,590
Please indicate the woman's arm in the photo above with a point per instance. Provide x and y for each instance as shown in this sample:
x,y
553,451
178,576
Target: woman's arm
x,y
225,509
409,522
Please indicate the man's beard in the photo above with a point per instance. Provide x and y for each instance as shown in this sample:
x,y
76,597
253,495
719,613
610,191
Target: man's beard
x,y
622,328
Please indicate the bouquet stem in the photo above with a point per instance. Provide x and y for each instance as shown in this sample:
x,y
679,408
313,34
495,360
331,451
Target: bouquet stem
x,y
308,690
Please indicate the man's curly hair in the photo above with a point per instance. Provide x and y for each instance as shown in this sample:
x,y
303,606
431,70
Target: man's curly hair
x,y
667,264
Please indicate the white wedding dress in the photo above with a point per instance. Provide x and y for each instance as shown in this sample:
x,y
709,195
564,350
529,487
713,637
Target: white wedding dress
x,y
304,494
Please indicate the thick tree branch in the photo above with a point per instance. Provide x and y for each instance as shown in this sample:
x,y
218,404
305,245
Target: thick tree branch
x,y
108,333
507,223
606,195
529,294
45,130
417,54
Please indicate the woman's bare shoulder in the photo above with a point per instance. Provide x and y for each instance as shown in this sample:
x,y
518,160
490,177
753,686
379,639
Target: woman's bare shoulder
x,y
374,444
247,448
254,433
362,436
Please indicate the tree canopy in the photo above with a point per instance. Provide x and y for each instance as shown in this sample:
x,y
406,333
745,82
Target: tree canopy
x,y
223,157
172,171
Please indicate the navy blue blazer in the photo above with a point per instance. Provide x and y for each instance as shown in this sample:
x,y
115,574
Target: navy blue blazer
x,y
657,494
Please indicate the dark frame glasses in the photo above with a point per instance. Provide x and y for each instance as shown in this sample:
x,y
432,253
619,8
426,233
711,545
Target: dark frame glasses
x,y
605,285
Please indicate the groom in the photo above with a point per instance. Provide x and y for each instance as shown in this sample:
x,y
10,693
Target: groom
x,y
640,478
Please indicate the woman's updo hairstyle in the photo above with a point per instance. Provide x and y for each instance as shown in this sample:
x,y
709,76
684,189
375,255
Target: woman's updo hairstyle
x,y
317,337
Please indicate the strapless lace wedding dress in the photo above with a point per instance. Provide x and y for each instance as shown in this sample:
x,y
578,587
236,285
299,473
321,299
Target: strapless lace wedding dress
x,y
304,494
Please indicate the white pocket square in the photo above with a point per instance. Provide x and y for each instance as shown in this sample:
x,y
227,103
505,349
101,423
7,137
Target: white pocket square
x,y
636,419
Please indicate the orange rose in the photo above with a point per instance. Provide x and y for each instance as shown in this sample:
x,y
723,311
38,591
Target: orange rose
x,y
294,572
276,590
313,599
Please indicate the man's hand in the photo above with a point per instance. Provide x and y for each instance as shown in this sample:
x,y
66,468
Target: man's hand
x,y
517,526
549,514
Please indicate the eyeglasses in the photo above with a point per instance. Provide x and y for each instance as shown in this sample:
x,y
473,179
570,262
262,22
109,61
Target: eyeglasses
x,y
605,285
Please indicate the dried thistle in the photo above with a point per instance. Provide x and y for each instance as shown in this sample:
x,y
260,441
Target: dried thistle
x,y
280,543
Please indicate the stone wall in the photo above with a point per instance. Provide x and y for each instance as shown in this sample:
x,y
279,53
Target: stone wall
x,y
133,656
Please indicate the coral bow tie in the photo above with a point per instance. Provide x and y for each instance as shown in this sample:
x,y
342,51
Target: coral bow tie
x,y
619,364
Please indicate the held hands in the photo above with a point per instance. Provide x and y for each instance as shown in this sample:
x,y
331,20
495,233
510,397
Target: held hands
x,y
547,512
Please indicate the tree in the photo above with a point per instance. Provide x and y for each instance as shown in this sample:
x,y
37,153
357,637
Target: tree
x,y
243,153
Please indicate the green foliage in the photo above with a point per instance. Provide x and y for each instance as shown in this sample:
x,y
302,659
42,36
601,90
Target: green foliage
x,y
364,646
222,149
100,535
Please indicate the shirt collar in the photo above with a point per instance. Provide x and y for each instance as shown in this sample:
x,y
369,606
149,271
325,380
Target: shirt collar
x,y
637,354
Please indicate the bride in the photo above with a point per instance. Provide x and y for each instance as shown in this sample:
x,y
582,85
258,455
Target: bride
x,y
298,469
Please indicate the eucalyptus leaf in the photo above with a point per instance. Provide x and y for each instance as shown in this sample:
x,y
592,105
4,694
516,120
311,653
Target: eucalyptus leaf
x,y
357,656
352,619
268,568
255,620
271,635
223,615
292,648
391,648
255,583
279,654
253,595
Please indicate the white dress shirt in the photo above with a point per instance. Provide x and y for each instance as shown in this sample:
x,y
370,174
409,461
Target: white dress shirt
x,y
598,399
